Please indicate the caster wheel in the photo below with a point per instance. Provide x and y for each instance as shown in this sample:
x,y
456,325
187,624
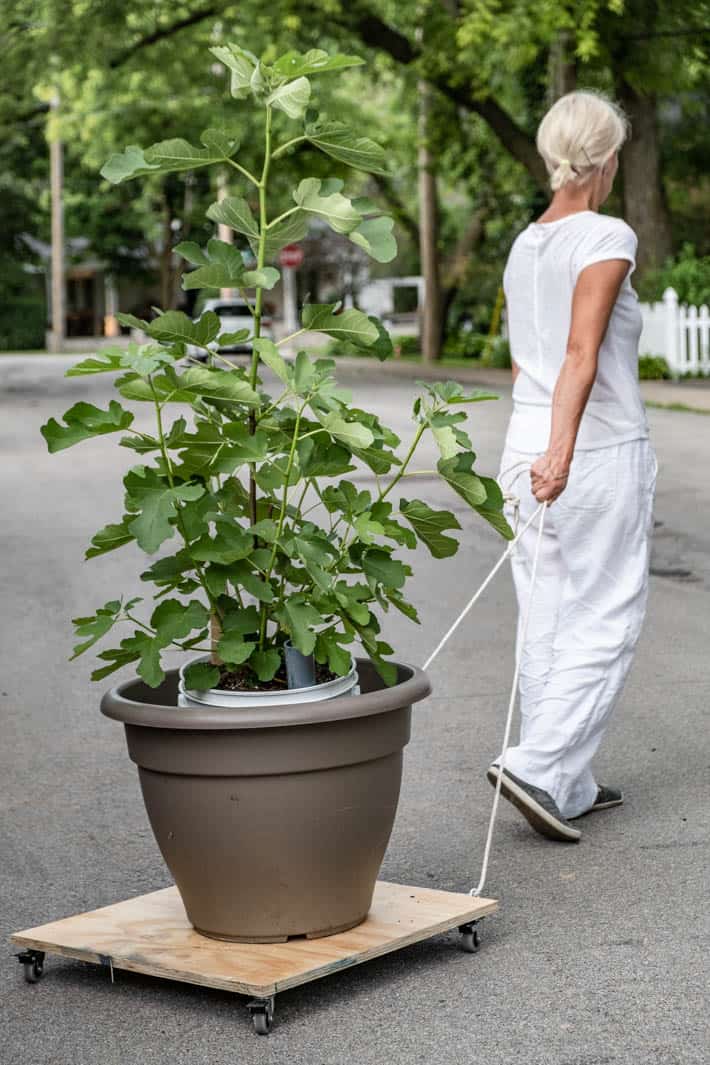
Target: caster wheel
x,y
32,962
470,939
262,1015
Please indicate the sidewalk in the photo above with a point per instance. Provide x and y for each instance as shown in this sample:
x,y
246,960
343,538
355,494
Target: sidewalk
x,y
694,395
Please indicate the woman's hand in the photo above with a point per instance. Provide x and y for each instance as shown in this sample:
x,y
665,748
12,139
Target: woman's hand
x,y
548,477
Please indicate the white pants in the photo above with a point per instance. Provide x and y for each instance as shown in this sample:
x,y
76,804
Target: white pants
x,y
587,610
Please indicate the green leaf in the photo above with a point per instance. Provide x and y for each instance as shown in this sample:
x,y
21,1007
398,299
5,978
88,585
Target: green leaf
x,y
177,154
381,567
150,495
226,340
131,321
267,277
220,142
243,577
97,625
201,676
336,209
328,650
192,252
269,354
375,236
387,670
352,434
130,163
174,620
230,544
320,458
292,97
366,528
171,570
165,157
429,525
220,449
109,538
453,392
224,267
176,326
288,231
218,384
145,359
458,472
446,440
352,325
106,361
265,664
241,622
233,649
492,509
241,63
298,617
235,212
83,421
339,142
314,61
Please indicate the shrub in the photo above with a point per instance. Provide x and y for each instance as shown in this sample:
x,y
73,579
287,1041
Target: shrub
x,y
653,368
688,274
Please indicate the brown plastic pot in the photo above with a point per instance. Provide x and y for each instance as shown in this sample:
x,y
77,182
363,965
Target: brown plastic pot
x,y
273,821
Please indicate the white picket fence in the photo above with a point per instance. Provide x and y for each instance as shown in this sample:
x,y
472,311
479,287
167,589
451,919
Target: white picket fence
x,y
681,334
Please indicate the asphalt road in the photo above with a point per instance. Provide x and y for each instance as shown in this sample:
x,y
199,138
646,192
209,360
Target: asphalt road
x,y
599,953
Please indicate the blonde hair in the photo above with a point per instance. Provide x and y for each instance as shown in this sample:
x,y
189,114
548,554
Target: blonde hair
x,y
577,136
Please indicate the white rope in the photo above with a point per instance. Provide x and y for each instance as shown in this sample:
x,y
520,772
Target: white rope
x,y
514,687
474,598
511,706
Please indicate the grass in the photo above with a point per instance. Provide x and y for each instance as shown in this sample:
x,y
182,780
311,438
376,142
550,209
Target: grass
x,y
676,407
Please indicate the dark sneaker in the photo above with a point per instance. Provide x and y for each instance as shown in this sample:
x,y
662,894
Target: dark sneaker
x,y
606,798
536,805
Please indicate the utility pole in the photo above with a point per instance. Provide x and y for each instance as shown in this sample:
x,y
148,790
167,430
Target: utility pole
x,y
428,230
56,169
224,232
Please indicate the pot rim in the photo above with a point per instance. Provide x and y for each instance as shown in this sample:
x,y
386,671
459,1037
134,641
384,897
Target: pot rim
x,y
413,687
261,696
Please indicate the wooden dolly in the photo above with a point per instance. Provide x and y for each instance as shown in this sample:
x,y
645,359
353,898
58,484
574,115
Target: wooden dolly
x,y
151,934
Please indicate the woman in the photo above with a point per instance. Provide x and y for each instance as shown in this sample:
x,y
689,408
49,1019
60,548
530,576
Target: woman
x,y
579,428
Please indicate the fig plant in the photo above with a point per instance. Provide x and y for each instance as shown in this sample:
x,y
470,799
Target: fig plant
x,y
266,537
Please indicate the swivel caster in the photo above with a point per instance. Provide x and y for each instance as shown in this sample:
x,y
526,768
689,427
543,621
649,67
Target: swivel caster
x,y
470,937
262,1014
32,962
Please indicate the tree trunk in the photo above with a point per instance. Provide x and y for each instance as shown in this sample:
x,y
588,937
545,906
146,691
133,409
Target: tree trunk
x,y
428,232
645,207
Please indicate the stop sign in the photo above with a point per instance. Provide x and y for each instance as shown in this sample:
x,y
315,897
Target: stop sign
x,y
291,255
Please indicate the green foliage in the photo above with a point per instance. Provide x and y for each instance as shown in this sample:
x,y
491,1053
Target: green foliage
x,y
238,476
653,368
688,274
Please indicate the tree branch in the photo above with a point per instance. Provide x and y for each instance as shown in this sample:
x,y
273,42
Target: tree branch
x,y
167,31
377,34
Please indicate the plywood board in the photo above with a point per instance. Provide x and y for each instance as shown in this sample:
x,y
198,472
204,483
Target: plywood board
x,y
151,934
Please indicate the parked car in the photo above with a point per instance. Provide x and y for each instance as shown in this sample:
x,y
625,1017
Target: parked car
x,y
234,316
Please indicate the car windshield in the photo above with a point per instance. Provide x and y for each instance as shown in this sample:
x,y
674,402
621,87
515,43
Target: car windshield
x,y
232,309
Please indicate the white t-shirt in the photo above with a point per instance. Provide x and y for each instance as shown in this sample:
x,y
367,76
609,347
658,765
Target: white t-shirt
x,y
540,275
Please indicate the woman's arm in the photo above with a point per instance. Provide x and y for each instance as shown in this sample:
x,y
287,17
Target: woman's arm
x,y
594,297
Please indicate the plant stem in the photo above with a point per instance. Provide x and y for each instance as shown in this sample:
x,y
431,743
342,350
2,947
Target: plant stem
x,y
280,523
400,473
280,217
243,170
291,336
282,147
171,481
254,415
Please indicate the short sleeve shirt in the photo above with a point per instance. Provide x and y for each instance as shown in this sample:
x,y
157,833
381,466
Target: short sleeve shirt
x,y
539,280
